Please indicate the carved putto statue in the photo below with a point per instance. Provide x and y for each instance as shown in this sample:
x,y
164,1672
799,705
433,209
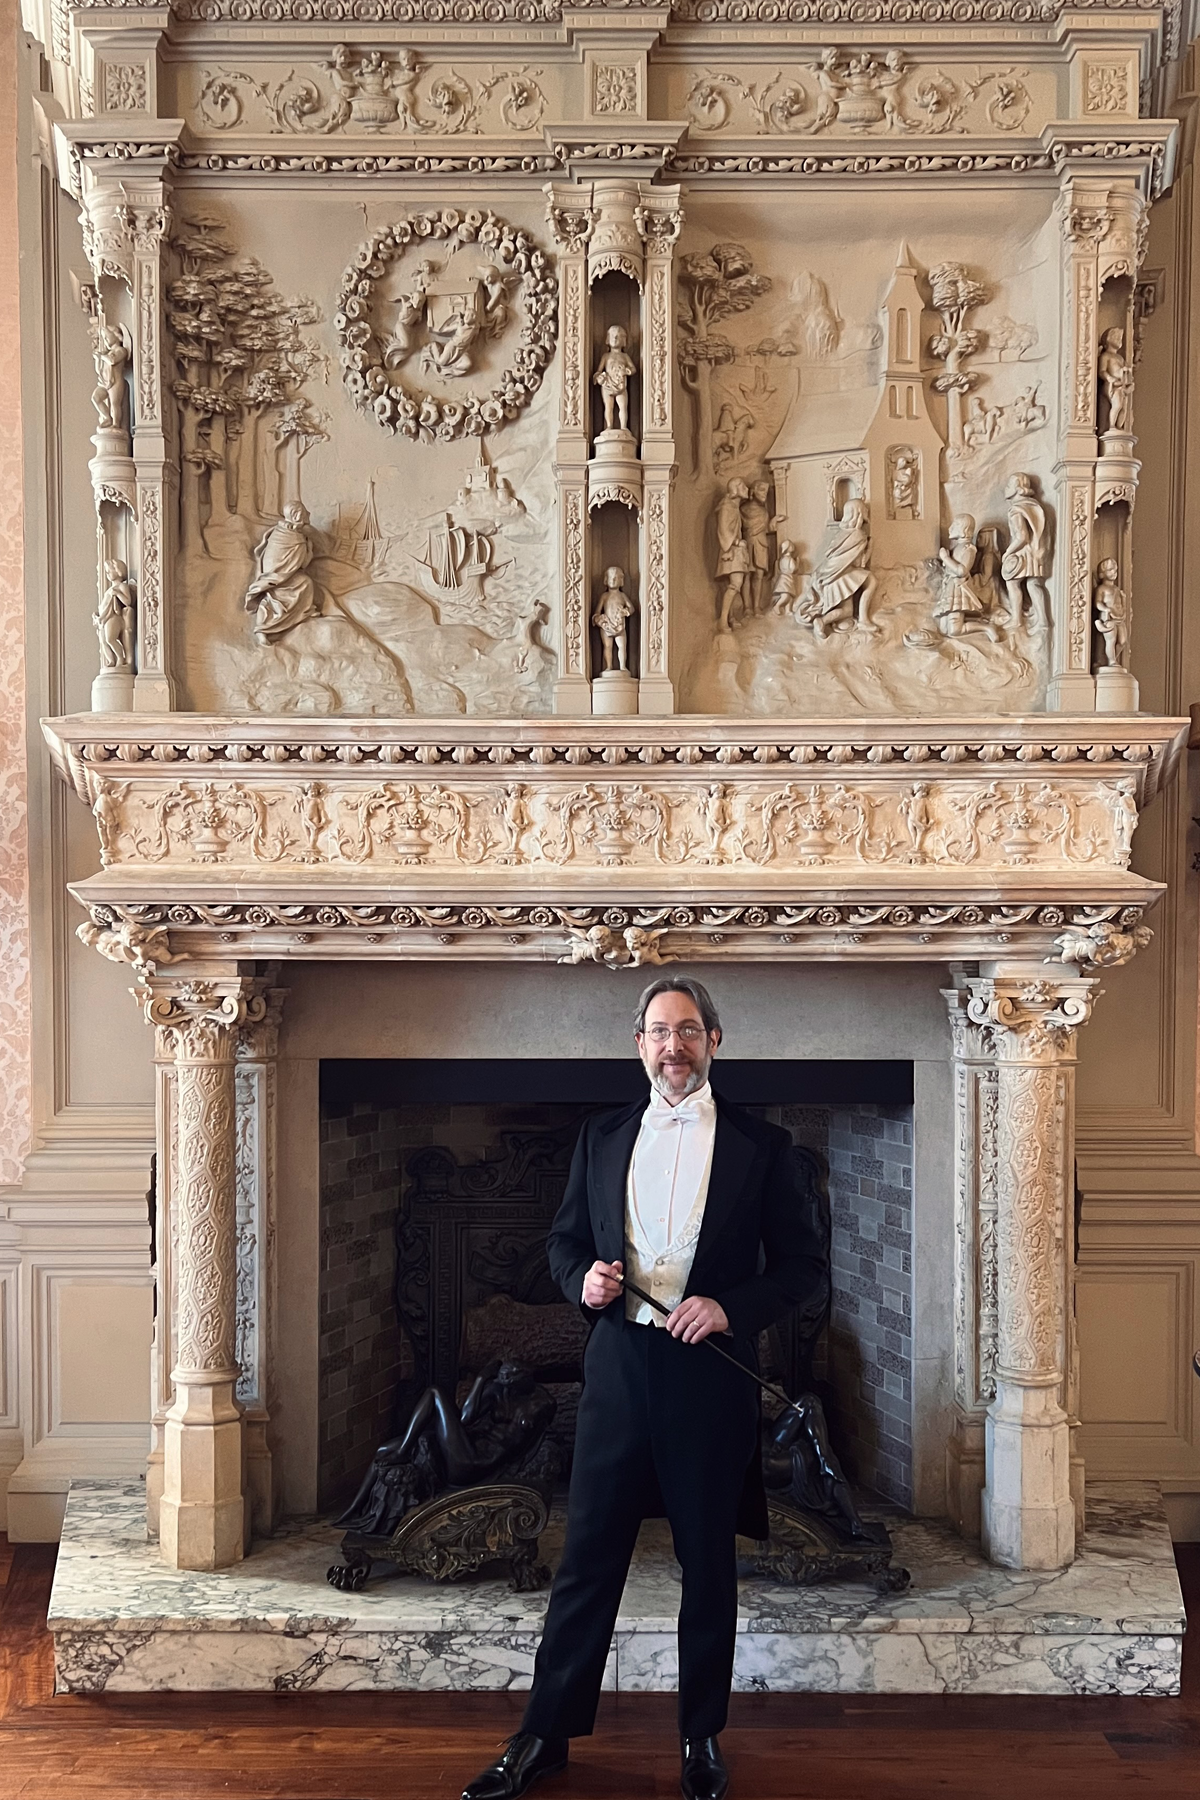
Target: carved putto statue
x,y
114,617
281,595
1112,614
614,372
1116,379
1026,562
110,396
613,611
841,577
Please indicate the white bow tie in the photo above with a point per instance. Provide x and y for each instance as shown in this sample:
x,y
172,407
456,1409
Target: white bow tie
x,y
662,1116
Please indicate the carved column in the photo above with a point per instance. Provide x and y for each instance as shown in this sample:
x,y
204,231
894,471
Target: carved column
x,y
1103,227
659,221
255,1075
126,218
975,1293
571,219
202,1513
1028,1514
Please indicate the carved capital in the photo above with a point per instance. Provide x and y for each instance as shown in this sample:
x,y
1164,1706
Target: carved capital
x,y
196,1020
571,227
1032,1018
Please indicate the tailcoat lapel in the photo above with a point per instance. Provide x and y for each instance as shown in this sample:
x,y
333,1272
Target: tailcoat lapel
x,y
732,1160
615,1151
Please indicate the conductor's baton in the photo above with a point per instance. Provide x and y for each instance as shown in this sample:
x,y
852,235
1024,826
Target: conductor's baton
x,y
768,1387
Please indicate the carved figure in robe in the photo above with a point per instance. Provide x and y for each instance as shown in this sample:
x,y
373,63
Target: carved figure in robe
x,y
800,1466
449,352
959,608
114,617
110,396
758,522
495,300
1112,614
841,577
733,554
1116,379
787,577
281,595
613,611
905,490
614,372
1026,562
496,1436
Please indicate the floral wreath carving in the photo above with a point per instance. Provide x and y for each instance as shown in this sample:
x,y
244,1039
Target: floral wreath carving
x,y
401,408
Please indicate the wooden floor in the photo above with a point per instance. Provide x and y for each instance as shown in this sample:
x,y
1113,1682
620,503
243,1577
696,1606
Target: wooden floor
x,y
423,1746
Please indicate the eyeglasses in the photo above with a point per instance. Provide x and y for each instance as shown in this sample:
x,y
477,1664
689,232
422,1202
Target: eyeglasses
x,y
662,1034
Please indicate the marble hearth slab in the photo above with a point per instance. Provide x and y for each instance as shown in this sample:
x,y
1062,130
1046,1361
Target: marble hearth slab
x,y
1111,1624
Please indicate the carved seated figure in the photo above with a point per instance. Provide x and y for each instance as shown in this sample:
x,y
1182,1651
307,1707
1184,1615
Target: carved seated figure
x,y
463,1469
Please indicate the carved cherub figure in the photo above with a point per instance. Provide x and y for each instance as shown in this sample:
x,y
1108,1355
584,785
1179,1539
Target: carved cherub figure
x,y
614,372
1112,614
613,611
596,945
110,396
142,946
113,618
1116,379
642,948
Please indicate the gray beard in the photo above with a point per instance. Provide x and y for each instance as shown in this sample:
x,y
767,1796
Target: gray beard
x,y
695,1080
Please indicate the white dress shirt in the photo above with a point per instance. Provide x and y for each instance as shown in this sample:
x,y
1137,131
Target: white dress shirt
x,y
665,1194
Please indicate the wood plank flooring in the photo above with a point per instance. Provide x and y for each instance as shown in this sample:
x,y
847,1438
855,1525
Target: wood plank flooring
x,y
424,1746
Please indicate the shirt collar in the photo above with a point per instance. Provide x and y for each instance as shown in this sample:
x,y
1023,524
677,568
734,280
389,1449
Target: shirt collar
x,y
696,1106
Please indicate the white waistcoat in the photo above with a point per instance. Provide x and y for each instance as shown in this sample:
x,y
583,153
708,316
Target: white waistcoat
x,y
665,1193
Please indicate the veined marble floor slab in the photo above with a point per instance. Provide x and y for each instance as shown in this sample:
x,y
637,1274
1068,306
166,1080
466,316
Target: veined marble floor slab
x,y
1111,1624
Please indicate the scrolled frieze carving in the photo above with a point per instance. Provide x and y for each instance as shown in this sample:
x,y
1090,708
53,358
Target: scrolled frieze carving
x,y
372,91
454,309
858,92
615,822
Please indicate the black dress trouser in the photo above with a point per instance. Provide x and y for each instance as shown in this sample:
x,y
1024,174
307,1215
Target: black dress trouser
x,y
662,1426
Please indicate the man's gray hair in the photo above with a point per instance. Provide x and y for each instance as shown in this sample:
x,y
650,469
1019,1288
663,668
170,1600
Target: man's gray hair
x,y
679,984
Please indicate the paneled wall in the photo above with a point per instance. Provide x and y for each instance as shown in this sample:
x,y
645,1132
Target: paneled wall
x,y
1139,1258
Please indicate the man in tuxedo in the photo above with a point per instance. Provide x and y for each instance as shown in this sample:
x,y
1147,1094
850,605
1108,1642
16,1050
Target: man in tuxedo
x,y
699,1202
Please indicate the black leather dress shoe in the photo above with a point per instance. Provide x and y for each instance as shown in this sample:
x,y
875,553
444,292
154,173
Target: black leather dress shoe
x,y
526,1758
705,1776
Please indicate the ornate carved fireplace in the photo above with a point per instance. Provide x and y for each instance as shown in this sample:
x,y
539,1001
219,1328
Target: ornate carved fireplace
x,y
712,546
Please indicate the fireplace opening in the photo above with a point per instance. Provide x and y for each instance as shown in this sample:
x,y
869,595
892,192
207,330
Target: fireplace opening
x,y
439,1180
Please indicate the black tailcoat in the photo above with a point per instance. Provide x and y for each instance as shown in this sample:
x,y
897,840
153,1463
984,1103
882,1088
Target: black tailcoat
x,y
759,1254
